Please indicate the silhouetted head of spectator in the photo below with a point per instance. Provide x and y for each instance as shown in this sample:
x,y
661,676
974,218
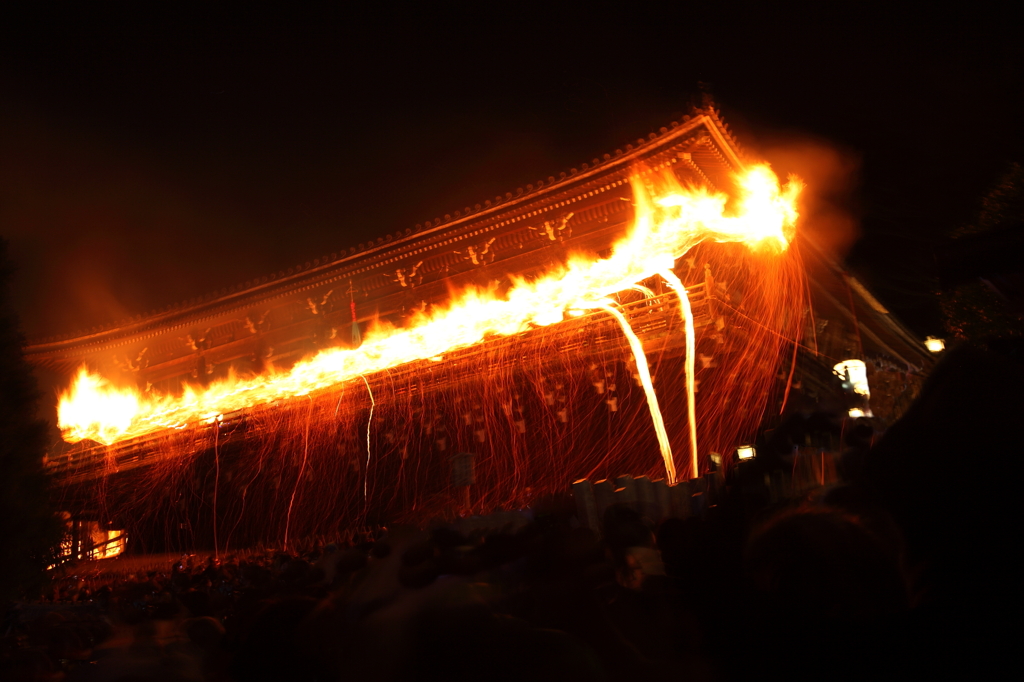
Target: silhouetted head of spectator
x,y
350,560
581,547
446,537
949,471
197,603
205,632
255,575
862,502
554,508
165,607
499,548
380,549
281,560
273,650
419,567
295,571
674,541
816,565
180,580
625,527
467,642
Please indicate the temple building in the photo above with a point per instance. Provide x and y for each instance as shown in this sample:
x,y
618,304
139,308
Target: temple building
x,y
517,404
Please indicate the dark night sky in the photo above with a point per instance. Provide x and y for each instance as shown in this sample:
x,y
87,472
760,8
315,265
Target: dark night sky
x,y
143,162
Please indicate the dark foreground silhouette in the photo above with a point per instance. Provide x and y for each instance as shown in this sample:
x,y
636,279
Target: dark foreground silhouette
x,y
905,569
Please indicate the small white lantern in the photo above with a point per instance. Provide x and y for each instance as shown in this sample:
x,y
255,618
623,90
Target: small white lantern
x,y
855,373
746,452
934,345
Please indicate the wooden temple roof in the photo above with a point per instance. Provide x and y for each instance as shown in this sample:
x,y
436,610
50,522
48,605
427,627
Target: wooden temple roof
x,y
289,314
285,316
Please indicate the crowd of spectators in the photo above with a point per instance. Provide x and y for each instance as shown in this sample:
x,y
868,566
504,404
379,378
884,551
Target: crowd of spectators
x,y
905,569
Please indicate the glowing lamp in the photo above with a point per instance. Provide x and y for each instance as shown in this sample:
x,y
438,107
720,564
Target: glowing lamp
x,y
934,345
856,413
746,452
854,374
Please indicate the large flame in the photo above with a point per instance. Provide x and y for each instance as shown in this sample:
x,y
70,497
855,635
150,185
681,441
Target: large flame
x,y
670,220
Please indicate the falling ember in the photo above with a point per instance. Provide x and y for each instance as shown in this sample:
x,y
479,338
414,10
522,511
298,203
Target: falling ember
x,y
691,352
669,221
645,379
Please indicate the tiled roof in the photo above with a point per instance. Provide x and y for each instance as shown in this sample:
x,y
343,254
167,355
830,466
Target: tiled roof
x,y
306,275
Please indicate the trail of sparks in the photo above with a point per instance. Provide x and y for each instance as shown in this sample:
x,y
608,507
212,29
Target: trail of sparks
x,y
369,423
690,368
789,379
669,221
644,371
302,470
216,487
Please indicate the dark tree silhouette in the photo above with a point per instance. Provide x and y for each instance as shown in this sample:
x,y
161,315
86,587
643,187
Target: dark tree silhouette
x,y
29,528
988,304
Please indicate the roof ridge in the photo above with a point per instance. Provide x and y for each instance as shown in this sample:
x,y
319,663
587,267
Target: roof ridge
x,y
451,217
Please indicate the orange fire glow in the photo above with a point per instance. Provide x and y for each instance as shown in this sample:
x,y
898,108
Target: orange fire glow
x,y
669,221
